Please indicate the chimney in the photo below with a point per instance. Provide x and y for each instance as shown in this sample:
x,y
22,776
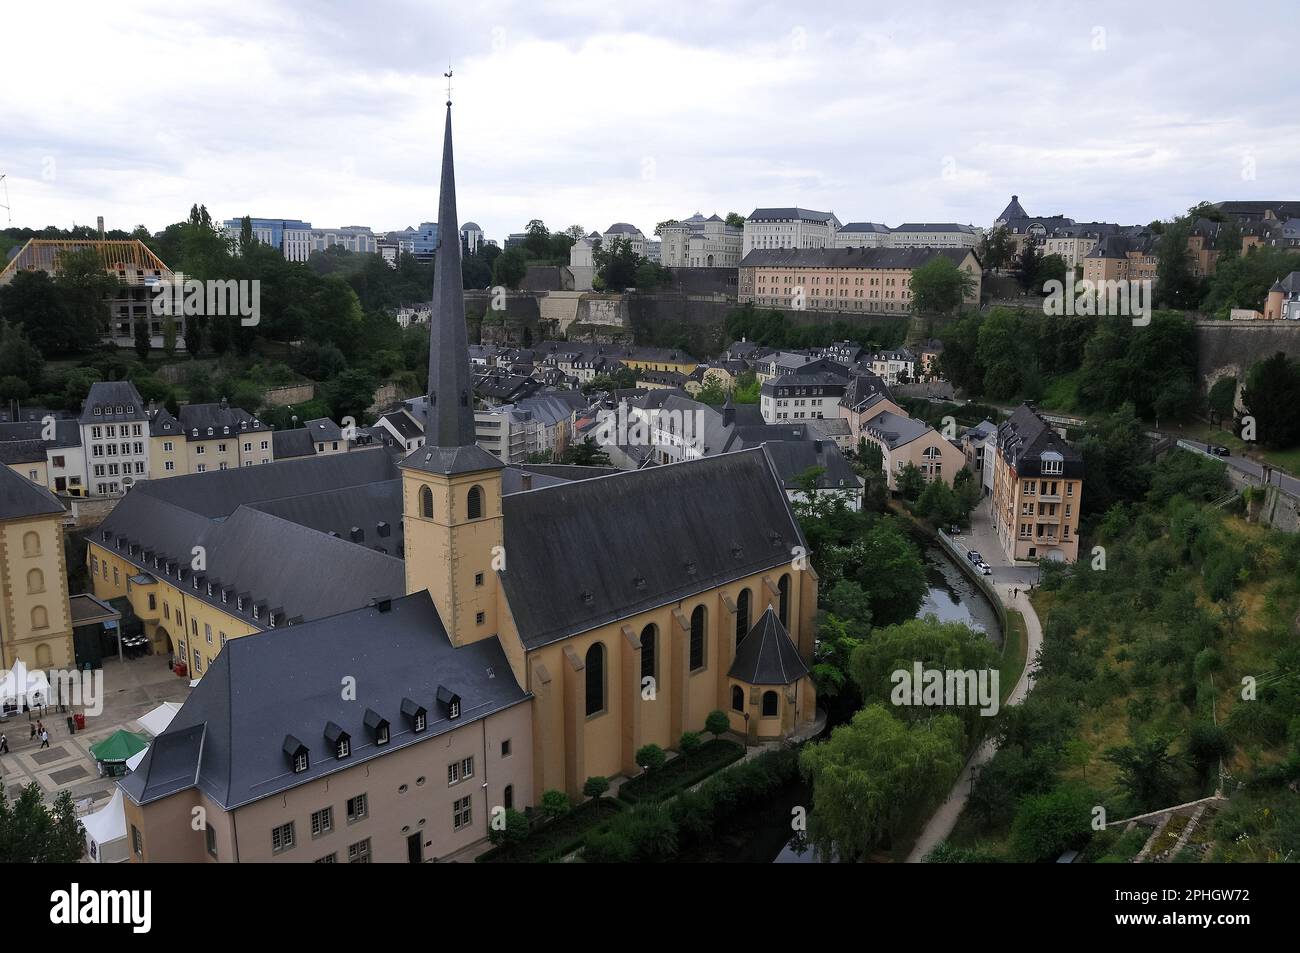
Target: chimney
x,y
383,529
526,480
357,534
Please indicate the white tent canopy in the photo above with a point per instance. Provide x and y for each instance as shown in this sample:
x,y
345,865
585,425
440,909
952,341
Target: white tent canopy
x,y
157,720
106,831
24,687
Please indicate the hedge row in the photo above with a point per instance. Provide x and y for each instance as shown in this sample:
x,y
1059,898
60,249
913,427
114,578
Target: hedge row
x,y
681,772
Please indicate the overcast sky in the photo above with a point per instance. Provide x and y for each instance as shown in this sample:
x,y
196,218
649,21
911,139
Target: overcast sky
x,y
585,112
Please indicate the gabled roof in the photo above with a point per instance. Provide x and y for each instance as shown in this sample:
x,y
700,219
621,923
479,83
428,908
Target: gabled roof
x,y
894,430
1023,439
587,553
766,655
781,214
228,738
107,396
292,443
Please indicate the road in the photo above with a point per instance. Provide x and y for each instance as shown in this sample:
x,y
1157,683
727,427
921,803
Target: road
x,y
1006,578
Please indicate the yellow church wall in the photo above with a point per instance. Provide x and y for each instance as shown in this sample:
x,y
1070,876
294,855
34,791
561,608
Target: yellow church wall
x,y
571,746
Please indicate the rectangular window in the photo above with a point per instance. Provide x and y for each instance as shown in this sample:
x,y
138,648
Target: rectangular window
x,y
359,853
281,838
461,814
137,842
322,821
505,748
328,859
210,835
357,808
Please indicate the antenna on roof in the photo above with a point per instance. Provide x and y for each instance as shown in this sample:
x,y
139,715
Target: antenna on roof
x,y
448,75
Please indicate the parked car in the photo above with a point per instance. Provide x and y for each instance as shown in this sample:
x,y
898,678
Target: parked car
x,y
974,556
1218,451
985,569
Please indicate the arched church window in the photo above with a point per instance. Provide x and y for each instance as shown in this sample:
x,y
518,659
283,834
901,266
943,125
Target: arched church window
x,y
426,502
783,587
595,669
737,698
771,704
698,619
649,645
742,616
475,503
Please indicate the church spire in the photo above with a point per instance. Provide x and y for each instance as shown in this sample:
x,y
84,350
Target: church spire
x,y
449,419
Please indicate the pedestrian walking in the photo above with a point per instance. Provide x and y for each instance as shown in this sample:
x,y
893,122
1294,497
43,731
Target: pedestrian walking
x,y
33,734
4,744
45,739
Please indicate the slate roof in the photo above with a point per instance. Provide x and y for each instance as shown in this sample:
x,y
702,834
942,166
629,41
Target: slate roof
x,y
934,227
20,497
1024,437
894,430
22,451
849,257
107,396
323,429
449,460
67,431
1013,210
865,227
227,739
286,444
218,493
196,419
782,214
407,427
793,458
587,553
369,514
278,564
766,655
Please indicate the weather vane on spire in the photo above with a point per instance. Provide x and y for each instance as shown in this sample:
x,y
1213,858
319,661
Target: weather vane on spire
x,y
448,75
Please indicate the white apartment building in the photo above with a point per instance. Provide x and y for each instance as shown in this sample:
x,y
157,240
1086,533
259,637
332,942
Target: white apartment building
x,y
699,242
862,235
355,238
114,437
801,397
622,231
893,366
788,228
933,235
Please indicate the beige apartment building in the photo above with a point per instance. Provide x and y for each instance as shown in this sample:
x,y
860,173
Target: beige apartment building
x,y
1037,490
867,280
206,437
1121,258
903,440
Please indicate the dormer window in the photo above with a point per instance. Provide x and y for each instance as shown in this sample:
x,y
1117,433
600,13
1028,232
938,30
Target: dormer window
x,y
449,702
377,724
297,754
209,431
416,714
97,411
209,588
339,739
239,603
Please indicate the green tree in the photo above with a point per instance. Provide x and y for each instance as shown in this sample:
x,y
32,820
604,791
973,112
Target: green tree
x,y
735,220
509,268
30,833
650,757
717,723
939,286
169,336
1149,774
1271,394
911,482
555,804
142,342
585,454
1046,825
689,743
617,265
515,830
595,786
871,772
1221,401
996,248
1176,285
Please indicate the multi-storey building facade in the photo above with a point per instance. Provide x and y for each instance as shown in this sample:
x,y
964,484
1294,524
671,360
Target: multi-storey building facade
x,y
206,437
140,276
802,396
869,280
35,618
114,437
355,238
291,237
1129,257
933,235
861,235
771,228
1037,489
699,242
903,440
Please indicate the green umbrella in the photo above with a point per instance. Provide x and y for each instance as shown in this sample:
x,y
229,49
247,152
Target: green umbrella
x,y
119,746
